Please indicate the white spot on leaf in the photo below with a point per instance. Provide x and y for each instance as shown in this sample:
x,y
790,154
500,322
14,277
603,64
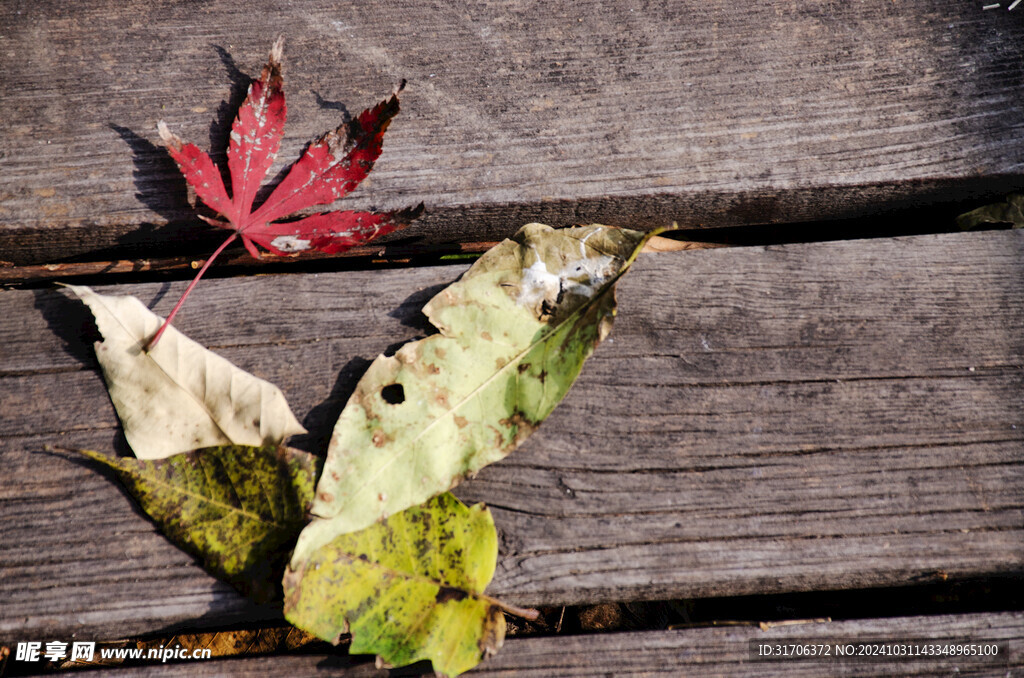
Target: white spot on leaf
x,y
290,243
537,284
583,277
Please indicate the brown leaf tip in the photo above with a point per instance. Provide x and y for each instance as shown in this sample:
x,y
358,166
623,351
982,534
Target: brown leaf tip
x,y
271,75
277,52
169,138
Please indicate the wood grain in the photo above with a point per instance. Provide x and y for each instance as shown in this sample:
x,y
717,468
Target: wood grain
x,y
794,418
707,651
638,113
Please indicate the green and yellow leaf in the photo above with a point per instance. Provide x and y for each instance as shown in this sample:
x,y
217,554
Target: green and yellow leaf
x,y
238,509
408,589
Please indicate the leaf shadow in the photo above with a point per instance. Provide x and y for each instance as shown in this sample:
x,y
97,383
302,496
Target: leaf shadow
x,y
410,312
159,295
220,127
329,105
319,423
72,322
162,189
159,184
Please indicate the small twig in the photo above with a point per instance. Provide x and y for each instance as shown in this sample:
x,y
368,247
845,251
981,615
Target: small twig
x,y
51,449
765,626
527,613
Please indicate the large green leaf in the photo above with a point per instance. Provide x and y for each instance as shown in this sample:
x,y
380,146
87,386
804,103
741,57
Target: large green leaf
x,y
237,508
514,333
407,589
179,396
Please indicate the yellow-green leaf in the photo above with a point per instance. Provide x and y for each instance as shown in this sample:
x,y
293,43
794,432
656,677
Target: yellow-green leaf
x,y
407,589
514,333
179,396
236,508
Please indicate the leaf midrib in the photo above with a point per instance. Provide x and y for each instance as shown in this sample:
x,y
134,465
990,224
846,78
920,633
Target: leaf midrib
x,y
176,489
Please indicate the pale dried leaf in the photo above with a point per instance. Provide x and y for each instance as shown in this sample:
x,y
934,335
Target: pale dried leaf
x,y
179,396
659,244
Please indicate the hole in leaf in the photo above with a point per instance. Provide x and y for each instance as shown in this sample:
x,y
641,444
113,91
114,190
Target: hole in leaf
x,y
393,394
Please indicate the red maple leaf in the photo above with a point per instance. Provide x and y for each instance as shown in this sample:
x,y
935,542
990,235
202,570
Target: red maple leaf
x,y
331,167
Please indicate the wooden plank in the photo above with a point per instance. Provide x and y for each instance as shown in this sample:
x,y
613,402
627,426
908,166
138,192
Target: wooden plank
x,y
721,651
805,417
640,113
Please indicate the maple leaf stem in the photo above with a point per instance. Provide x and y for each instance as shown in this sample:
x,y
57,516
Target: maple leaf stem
x,y
188,290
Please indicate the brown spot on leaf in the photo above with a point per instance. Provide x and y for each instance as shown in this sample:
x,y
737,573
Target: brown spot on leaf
x,y
442,399
542,376
523,367
326,496
380,438
522,428
409,353
440,353
517,419
446,593
433,369
461,422
486,336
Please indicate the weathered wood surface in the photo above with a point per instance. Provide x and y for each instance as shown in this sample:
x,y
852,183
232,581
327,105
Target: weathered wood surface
x,y
707,651
805,417
636,113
